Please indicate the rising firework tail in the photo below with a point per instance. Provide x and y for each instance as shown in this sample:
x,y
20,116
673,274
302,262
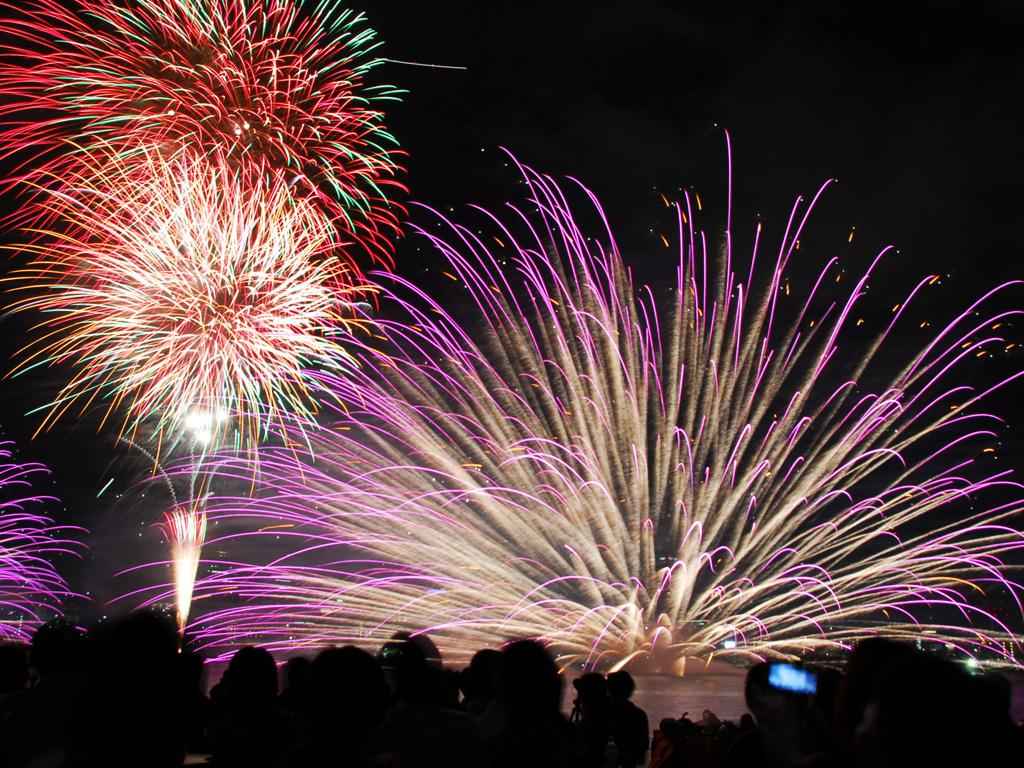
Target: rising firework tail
x,y
31,588
185,530
192,303
733,468
269,86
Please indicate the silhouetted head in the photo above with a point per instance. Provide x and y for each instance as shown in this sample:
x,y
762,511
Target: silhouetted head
x,y
529,682
930,711
344,697
756,690
135,715
144,634
591,691
771,706
58,648
190,671
865,670
621,685
296,670
783,716
483,673
412,667
345,680
405,644
251,680
13,667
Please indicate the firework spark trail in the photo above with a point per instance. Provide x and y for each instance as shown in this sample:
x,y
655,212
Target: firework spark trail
x,y
181,294
271,85
31,589
631,481
185,529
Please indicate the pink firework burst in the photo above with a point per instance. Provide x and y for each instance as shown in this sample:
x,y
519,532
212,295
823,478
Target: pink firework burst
x,y
31,589
750,461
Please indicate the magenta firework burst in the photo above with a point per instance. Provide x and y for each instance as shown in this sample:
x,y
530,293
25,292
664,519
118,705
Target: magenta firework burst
x,y
731,464
31,589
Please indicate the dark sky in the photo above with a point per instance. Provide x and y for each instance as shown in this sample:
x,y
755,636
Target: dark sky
x,y
918,114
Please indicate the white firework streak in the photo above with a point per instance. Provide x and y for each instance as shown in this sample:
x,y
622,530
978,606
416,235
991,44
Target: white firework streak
x,y
632,482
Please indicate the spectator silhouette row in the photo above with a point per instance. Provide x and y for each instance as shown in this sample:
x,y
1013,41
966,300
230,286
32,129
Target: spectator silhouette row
x,y
124,696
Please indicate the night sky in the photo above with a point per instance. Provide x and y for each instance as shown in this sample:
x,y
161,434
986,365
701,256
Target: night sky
x,y
918,114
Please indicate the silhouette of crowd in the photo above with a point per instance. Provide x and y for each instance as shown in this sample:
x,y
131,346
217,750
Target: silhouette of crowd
x,y
124,695
891,705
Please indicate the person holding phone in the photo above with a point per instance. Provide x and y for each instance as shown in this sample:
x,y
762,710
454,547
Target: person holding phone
x,y
777,695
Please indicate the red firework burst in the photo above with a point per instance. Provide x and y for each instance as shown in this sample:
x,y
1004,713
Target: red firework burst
x,y
267,84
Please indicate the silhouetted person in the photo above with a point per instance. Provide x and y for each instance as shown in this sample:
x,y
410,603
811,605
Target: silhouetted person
x,y
590,720
868,665
629,727
531,729
344,698
135,715
930,711
41,723
781,737
255,733
396,649
479,680
196,707
448,693
821,708
13,667
418,727
296,672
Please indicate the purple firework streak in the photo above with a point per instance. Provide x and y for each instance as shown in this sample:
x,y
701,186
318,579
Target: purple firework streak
x,y
31,590
731,468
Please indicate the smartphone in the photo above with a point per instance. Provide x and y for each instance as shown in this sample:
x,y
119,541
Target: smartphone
x,y
791,678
